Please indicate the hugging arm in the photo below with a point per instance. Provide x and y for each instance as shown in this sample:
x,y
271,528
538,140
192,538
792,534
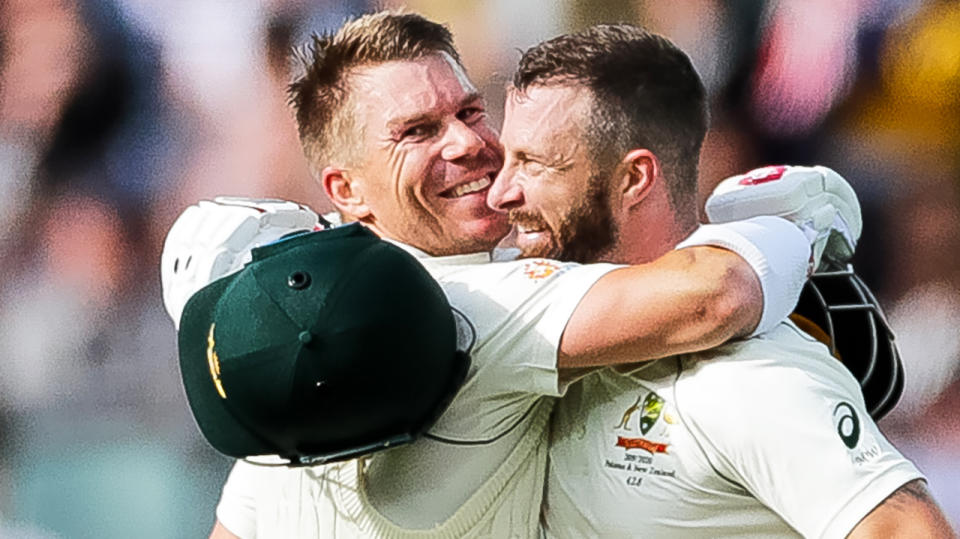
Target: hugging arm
x,y
780,222
909,512
690,299
726,281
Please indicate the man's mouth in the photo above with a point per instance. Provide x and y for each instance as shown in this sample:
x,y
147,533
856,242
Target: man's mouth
x,y
531,229
468,188
528,222
534,237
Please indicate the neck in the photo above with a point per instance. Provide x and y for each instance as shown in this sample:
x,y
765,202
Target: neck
x,y
646,244
647,232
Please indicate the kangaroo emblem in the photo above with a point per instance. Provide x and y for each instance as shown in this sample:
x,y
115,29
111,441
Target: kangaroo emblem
x,y
626,415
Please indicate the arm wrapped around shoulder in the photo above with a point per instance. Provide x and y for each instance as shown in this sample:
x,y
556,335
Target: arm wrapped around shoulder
x,y
778,252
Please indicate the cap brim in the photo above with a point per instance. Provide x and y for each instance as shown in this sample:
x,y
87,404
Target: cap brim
x,y
225,432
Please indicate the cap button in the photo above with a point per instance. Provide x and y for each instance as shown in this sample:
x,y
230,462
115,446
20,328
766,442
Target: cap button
x,y
298,280
305,337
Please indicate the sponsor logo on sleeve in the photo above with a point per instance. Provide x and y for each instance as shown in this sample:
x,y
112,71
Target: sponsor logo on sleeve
x,y
848,424
857,436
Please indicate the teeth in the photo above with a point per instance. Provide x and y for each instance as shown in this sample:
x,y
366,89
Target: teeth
x,y
472,187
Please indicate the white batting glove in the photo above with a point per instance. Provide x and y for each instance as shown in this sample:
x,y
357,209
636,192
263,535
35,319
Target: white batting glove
x,y
816,199
212,239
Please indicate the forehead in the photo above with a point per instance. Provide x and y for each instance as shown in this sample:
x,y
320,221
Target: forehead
x,y
545,118
407,88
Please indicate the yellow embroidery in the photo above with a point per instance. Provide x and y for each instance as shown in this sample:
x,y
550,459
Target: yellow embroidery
x,y
214,363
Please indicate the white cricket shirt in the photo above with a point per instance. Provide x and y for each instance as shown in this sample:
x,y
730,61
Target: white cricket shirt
x,y
767,437
511,317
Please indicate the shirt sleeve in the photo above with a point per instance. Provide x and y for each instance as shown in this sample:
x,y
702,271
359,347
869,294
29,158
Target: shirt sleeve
x,y
794,432
542,296
237,508
517,311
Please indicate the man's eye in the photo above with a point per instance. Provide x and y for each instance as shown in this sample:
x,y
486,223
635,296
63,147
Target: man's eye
x,y
471,114
419,131
532,168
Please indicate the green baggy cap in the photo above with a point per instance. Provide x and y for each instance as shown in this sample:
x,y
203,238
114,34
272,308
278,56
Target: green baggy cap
x,y
326,346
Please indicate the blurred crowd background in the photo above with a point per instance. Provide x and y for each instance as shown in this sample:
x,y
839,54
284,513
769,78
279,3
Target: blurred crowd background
x,y
117,114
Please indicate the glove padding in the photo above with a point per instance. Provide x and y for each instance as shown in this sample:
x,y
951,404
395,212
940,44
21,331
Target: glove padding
x,y
212,239
816,199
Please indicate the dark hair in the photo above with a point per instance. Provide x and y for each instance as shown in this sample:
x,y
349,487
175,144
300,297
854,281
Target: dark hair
x,y
320,96
646,93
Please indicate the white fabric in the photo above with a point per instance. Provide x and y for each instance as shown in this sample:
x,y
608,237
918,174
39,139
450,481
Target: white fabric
x,y
212,239
751,447
816,199
514,313
331,500
776,250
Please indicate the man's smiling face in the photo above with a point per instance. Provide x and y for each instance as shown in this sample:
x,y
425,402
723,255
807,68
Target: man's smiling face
x,y
549,187
429,157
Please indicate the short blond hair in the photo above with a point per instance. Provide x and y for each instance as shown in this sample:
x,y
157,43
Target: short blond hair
x,y
321,96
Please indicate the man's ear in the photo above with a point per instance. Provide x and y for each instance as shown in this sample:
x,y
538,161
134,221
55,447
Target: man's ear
x,y
345,191
640,172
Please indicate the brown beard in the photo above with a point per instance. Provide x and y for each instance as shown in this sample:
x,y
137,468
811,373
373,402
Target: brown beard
x,y
585,232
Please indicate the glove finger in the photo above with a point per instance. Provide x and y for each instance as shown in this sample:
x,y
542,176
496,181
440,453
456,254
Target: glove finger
x,y
219,224
177,245
845,200
274,212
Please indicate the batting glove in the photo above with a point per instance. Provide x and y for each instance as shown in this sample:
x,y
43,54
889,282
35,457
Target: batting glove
x,y
212,239
816,199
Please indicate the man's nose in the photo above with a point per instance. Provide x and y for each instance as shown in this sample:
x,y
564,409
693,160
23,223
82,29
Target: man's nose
x,y
461,141
505,194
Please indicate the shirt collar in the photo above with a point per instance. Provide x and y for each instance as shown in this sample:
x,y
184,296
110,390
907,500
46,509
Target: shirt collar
x,y
469,258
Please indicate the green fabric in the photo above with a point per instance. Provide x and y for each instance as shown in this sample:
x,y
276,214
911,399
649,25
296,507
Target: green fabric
x,y
328,366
